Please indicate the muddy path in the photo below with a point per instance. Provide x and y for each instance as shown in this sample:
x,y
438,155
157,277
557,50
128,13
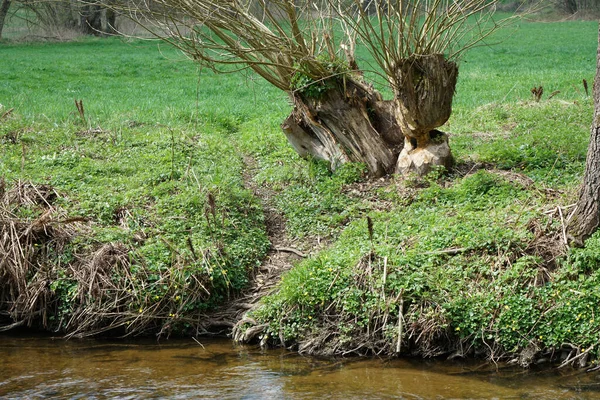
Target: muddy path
x,y
232,318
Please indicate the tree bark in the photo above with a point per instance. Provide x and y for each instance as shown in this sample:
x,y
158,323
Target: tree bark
x,y
349,122
586,218
424,88
4,6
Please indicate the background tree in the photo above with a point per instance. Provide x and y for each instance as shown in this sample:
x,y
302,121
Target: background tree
x,y
306,48
57,18
573,7
90,15
4,6
586,217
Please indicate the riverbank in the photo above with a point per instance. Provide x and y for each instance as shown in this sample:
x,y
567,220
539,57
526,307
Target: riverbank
x,y
168,203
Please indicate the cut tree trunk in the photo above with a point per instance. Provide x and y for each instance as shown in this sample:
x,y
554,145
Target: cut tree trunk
x,y
422,160
4,6
349,122
586,218
424,88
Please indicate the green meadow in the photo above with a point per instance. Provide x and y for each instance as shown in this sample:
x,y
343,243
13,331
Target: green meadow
x,y
164,156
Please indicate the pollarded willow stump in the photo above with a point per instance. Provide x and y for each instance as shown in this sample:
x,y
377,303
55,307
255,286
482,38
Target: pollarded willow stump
x,y
349,121
424,87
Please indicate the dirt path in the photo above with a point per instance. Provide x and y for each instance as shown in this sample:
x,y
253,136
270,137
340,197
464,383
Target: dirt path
x,y
280,258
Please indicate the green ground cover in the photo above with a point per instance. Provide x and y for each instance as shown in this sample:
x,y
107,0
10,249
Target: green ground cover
x,y
471,261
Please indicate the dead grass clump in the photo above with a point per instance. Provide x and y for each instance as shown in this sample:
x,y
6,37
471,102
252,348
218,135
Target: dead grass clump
x,y
117,294
427,329
548,243
32,231
53,276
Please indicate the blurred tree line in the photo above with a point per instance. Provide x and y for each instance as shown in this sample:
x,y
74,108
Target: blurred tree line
x,y
575,7
92,18
54,16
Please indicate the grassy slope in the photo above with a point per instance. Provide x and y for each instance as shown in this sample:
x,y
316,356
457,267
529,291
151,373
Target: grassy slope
x,y
504,290
489,294
155,146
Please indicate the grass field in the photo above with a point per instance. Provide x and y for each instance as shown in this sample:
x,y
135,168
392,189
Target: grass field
x,y
159,163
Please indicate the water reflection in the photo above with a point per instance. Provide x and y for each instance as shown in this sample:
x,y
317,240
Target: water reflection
x,y
40,368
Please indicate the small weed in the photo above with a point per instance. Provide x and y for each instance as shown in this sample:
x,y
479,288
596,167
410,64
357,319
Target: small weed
x,y
313,88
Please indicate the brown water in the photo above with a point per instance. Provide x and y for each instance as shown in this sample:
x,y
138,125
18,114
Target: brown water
x,y
181,369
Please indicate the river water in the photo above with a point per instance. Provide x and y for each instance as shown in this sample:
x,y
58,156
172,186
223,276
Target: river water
x,y
39,368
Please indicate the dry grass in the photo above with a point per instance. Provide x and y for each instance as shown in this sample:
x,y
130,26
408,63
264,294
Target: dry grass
x,y
27,243
101,288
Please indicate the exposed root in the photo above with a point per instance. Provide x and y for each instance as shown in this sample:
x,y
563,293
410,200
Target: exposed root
x,y
577,357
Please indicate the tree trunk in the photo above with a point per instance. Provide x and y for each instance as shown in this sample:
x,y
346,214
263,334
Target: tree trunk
x,y
349,122
586,217
91,20
111,22
424,88
4,6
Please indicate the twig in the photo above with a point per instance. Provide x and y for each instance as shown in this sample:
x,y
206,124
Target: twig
x,y
290,250
23,156
447,251
553,210
507,93
196,340
564,229
333,282
6,114
384,278
572,213
593,369
580,355
11,326
400,322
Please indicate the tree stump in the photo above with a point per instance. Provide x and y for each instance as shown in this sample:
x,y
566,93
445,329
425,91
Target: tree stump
x,y
424,87
422,160
350,121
